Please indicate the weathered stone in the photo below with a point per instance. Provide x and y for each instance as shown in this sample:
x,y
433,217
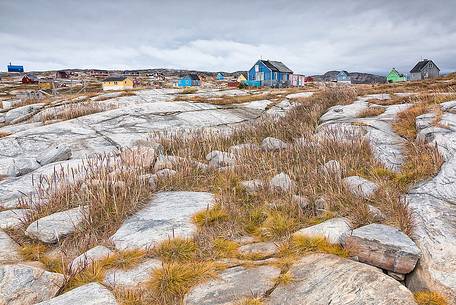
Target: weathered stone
x,y
23,284
89,294
21,112
282,182
252,186
376,213
233,284
322,279
263,249
241,148
132,277
321,204
51,228
385,247
12,218
332,167
302,202
167,162
218,159
53,154
360,186
9,249
397,276
167,214
272,144
165,173
89,257
334,230
22,166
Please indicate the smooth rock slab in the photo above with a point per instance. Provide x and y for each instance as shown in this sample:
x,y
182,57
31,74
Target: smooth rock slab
x,y
56,153
322,279
21,166
360,186
232,285
133,276
385,247
24,284
89,294
166,213
335,230
9,249
53,227
263,249
88,257
12,218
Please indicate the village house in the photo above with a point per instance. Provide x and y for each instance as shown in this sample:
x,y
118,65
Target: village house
x,y
117,83
189,81
29,79
15,68
424,69
220,76
62,74
46,84
343,77
394,76
297,80
241,78
269,73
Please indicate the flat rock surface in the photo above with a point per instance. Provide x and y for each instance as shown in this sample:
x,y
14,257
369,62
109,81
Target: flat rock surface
x,y
335,230
132,277
88,257
360,186
385,247
9,249
167,214
12,218
53,227
232,285
24,285
262,249
322,279
89,294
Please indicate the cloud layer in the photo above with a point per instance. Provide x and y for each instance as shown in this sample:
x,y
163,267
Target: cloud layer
x,y
212,35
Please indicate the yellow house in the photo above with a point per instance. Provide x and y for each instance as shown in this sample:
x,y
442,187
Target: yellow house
x,y
241,78
46,85
117,83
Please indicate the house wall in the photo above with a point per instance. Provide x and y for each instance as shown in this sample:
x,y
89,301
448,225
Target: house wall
x,y
118,85
262,68
429,71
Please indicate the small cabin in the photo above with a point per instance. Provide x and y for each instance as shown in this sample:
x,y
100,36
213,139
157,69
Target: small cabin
x,y
220,76
117,83
343,77
297,80
270,73
189,81
394,76
424,69
241,78
29,79
15,68
46,84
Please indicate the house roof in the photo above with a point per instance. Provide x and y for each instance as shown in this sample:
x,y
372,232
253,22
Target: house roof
x,y
115,79
31,76
276,66
420,66
192,76
343,72
397,72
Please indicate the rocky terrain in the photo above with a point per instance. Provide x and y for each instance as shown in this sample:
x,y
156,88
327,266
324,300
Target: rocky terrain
x,y
323,196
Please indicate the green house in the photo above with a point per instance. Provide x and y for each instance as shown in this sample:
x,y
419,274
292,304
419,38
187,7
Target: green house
x,y
394,77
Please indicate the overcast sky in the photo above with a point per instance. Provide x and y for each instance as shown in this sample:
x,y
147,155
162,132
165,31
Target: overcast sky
x,y
308,36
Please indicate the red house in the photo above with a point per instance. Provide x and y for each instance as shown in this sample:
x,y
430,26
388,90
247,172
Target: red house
x,y
30,79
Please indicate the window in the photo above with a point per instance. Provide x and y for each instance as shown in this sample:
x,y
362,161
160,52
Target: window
x,y
257,68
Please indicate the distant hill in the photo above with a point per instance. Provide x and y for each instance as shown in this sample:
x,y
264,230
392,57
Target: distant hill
x,y
356,77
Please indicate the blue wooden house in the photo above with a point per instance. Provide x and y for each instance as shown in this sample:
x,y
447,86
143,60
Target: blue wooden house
x,y
220,76
189,81
269,73
14,68
343,77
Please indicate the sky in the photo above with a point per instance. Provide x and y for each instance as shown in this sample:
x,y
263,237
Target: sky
x,y
310,37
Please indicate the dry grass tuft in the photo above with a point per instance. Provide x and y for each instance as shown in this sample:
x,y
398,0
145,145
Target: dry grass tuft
x,y
189,90
210,216
74,110
371,112
300,245
430,298
170,283
250,301
177,250
284,278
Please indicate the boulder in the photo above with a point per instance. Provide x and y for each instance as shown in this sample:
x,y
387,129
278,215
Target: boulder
x,y
132,277
282,182
252,186
273,144
218,159
23,284
22,166
12,218
360,186
168,214
89,294
385,247
301,201
233,284
322,279
167,162
9,249
56,153
262,250
240,148
165,173
334,230
50,229
18,113
376,213
88,257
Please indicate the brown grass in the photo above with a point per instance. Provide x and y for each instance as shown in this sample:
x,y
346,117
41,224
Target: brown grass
x,y
4,134
371,112
74,110
430,298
